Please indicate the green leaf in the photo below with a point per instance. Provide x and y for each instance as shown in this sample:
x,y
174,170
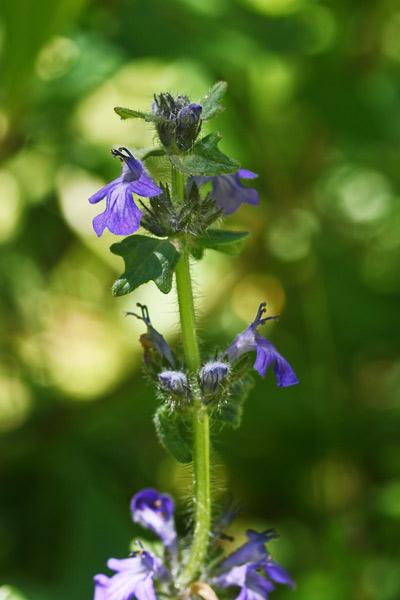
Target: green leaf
x,y
205,158
228,242
145,258
230,413
197,251
174,434
211,101
128,113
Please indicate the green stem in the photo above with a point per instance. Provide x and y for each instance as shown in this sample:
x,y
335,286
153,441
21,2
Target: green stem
x,y
201,426
177,186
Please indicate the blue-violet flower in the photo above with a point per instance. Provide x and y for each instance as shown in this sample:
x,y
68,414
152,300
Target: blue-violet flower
x,y
240,568
122,216
134,577
253,586
156,511
228,191
251,551
267,354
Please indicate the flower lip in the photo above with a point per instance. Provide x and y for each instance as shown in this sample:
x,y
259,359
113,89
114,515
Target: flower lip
x,y
134,578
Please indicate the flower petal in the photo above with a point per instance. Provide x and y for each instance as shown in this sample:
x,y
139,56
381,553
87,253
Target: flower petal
x,y
268,354
145,186
278,574
122,216
107,189
156,511
246,174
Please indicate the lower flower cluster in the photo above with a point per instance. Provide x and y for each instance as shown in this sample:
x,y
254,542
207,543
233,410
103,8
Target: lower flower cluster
x,y
250,569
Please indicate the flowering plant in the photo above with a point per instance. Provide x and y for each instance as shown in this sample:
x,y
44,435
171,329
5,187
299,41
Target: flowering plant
x,y
179,218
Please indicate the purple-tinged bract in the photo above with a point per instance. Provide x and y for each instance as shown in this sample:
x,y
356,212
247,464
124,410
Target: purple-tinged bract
x,y
212,375
174,382
250,340
122,216
228,192
134,578
156,511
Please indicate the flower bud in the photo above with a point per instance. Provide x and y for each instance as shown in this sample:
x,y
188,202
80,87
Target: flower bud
x,y
212,375
164,106
174,382
179,121
188,126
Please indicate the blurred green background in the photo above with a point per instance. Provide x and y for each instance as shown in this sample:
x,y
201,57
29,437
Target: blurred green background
x,y
313,106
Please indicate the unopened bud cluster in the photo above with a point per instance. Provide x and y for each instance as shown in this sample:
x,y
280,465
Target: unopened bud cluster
x,y
181,122
211,381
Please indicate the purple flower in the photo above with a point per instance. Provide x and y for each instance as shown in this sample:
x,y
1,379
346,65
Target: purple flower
x,y
267,354
156,511
228,191
277,573
240,568
152,341
133,578
122,216
252,551
253,586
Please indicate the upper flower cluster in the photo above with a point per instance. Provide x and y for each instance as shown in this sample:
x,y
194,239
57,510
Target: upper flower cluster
x,y
122,216
250,567
181,120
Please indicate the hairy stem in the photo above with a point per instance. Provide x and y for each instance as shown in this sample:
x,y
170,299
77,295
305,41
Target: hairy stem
x,y
178,184
201,427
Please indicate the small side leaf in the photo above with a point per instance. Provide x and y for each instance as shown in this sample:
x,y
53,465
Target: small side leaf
x,y
229,242
128,113
145,259
205,158
211,101
173,434
230,413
